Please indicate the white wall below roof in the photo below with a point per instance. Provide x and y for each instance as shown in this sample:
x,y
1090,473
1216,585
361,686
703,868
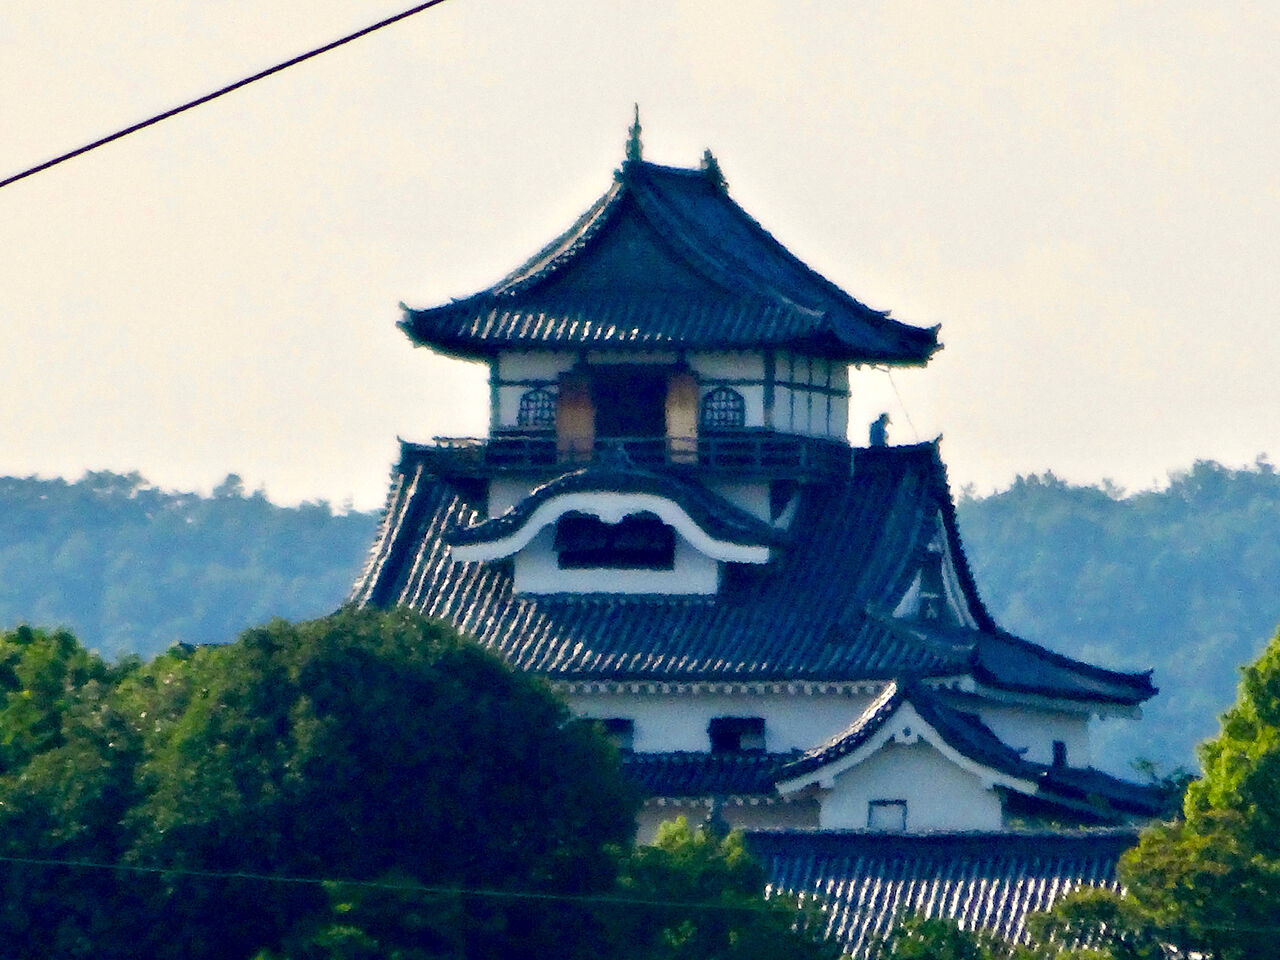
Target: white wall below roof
x,y
1026,727
728,365
939,795
537,570
533,364
678,721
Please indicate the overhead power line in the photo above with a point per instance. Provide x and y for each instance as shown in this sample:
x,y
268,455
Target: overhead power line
x,y
752,906
220,92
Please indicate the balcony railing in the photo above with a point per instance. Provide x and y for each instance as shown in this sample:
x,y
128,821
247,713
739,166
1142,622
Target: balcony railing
x,y
747,453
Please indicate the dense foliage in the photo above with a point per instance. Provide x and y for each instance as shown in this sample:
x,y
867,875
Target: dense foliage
x,y
365,747
1180,580
132,568
1211,881
368,785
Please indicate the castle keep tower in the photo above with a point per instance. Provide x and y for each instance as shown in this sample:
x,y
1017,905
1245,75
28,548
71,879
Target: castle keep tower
x,y
667,521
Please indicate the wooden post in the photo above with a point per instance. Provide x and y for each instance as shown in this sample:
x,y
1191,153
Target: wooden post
x,y
575,419
682,418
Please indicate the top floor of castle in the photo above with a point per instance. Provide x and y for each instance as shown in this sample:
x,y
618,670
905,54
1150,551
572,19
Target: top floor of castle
x,y
665,322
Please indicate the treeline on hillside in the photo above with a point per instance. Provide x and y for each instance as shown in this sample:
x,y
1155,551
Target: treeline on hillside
x,y
1183,580
131,568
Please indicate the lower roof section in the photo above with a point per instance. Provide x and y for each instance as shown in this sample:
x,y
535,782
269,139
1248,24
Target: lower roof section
x,y
816,611
982,880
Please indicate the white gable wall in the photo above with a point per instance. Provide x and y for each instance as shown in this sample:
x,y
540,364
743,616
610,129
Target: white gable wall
x,y
939,795
1035,730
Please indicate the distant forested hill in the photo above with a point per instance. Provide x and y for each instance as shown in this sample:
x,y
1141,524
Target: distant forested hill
x,y
1185,580
130,568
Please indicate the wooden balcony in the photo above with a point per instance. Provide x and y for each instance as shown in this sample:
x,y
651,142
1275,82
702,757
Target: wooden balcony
x,y
754,454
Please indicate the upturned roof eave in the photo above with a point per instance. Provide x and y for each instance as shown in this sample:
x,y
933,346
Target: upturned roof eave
x,y
425,328
460,328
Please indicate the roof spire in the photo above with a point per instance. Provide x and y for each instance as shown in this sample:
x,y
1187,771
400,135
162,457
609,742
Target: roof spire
x,y
634,147
711,167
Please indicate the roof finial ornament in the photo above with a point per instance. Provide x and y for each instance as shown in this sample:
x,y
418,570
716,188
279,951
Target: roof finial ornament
x,y
634,147
711,167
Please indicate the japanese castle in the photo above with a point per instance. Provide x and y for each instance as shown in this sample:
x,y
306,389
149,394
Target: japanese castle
x,y
668,522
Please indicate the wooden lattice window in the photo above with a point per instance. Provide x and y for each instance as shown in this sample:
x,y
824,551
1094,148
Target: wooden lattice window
x,y
537,409
723,409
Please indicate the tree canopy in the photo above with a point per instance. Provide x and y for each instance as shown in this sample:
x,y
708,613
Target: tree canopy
x,y
1211,881
365,747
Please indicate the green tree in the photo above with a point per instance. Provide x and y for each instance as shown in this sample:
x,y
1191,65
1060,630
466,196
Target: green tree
x,y
361,746
1212,881
67,761
695,894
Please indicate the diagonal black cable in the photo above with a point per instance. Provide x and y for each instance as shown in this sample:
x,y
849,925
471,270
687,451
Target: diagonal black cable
x,y
220,92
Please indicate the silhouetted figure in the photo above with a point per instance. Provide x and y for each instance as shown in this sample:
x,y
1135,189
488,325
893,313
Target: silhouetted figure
x,y
880,431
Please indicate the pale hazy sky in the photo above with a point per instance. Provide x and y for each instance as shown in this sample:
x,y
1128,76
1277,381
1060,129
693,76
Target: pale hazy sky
x,y
1085,195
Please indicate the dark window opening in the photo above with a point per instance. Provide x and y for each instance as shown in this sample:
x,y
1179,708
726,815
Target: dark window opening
x,y
630,401
736,734
1059,753
888,816
621,731
723,409
537,410
640,542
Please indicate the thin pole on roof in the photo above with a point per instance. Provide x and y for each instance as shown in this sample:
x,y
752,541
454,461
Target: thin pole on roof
x,y
905,412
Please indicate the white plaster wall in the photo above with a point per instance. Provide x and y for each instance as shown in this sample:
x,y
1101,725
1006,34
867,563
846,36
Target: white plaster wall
x,y
939,795
678,721
533,364
1021,726
840,405
536,570
728,365
632,356
751,497
800,815
797,410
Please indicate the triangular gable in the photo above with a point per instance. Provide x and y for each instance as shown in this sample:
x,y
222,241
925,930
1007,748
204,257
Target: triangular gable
x,y
906,715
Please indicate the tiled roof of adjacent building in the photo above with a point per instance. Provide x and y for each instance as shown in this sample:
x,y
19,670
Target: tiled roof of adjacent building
x,y
988,880
685,773
665,259
815,612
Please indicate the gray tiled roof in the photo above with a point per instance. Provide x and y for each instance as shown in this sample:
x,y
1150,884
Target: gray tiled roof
x,y
810,614
666,259
988,880
684,773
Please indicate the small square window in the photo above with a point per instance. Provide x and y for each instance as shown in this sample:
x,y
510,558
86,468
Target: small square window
x,y
1059,753
887,816
736,734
